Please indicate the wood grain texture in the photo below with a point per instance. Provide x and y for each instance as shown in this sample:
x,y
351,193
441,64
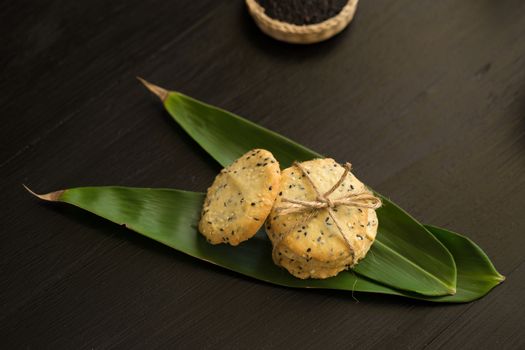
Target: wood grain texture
x,y
425,98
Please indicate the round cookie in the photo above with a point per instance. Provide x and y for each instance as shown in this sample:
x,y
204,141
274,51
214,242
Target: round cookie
x,y
305,267
308,243
240,198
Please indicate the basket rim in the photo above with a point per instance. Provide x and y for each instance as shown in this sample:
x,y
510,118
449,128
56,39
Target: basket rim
x,y
345,15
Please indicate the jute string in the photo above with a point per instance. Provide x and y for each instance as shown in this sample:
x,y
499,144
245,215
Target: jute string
x,y
359,199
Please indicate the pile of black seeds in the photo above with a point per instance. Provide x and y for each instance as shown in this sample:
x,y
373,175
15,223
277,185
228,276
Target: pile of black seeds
x,y
302,11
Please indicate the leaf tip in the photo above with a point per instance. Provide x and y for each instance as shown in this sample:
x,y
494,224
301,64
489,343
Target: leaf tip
x,y
50,197
157,90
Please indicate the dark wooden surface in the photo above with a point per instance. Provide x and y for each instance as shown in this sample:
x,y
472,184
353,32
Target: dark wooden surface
x,y
425,98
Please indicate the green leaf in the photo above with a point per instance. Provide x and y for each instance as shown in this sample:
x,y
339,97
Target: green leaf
x,y
405,255
151,213
476,274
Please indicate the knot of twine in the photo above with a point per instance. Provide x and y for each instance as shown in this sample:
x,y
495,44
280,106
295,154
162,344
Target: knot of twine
x,y
361,199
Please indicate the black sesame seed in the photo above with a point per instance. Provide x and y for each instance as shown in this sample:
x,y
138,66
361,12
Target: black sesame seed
x,y
280,193
252,204
270,188
259,164
308,250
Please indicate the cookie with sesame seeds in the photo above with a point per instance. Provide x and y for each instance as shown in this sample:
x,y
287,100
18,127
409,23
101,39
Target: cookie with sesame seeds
x,y
309,243
240,198
304,266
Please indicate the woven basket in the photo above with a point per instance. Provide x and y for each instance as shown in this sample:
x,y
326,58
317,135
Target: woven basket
x,y
302,34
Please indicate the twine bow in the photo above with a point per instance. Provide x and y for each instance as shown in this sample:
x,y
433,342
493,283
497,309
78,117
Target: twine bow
x,y
360,199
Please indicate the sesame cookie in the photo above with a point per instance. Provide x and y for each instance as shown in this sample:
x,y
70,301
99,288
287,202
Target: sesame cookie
x,y
240,198
308,242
